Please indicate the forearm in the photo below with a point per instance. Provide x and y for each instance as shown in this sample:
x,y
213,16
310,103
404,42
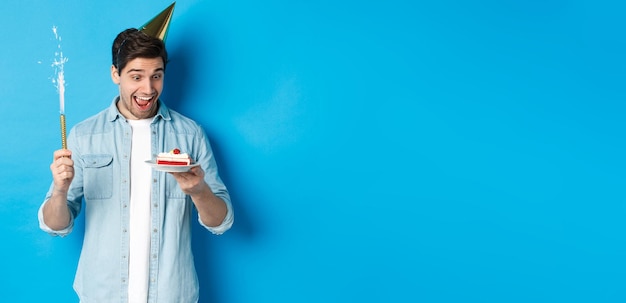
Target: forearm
x,y
211,208
56,213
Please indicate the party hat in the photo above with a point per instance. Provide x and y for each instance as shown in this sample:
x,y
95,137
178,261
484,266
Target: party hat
x,y
160,24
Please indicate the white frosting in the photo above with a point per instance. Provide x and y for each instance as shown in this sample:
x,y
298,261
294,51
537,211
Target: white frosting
x,y
173,156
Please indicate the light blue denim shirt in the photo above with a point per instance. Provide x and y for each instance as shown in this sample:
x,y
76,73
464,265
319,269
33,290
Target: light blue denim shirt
x,y
100,149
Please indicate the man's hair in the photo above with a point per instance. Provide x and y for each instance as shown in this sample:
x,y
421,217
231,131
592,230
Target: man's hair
x,y
132,44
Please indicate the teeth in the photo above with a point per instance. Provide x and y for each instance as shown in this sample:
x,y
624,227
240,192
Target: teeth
x,y
144,98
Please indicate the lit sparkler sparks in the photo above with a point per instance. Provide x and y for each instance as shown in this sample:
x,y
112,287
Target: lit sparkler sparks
x,y
58,64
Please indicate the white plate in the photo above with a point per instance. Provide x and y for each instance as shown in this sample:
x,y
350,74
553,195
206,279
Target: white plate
x,y
171,168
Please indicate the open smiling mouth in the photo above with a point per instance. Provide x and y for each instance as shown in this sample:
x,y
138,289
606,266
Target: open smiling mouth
x,y
143,102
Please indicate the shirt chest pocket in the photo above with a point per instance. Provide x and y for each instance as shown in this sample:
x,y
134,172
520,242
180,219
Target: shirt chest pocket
x,y
98,176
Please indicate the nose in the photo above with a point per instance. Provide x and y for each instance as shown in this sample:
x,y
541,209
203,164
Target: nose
x,y
147,87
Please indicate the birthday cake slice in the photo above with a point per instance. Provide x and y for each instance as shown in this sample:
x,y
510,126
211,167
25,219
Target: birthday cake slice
x,y
173,157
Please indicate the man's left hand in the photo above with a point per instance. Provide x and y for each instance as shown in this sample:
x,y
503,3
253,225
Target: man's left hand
x,y
192,181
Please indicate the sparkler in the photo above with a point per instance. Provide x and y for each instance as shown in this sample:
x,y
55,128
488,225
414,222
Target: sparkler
x,y
59,81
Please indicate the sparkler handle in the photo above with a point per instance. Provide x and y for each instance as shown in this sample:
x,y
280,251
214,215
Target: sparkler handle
x,y
63,137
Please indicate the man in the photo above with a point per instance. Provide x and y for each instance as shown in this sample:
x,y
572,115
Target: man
x,y
137,242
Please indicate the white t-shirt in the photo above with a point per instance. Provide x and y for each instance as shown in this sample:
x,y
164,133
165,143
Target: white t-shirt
x,y
140,175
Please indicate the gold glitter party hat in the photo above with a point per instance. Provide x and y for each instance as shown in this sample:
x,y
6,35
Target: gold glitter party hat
x,y
160,24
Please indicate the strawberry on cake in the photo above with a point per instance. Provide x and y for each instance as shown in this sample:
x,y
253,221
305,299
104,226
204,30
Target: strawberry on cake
x,y
173,157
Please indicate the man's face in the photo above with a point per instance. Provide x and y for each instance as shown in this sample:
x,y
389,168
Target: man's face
x,y
141,83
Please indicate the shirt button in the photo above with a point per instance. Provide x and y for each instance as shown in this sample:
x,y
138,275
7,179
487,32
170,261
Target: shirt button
x,y
154,230
156,205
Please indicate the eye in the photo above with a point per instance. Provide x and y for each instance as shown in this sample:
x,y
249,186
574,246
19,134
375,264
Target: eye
x,y
136,77
157,76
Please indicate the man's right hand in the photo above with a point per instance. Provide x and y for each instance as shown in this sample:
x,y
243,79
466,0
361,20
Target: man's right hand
x,y
62,169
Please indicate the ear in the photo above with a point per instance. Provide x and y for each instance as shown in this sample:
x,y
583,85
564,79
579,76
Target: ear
x,y
115,76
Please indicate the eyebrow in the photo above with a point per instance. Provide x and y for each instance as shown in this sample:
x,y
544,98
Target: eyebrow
x,y
160,69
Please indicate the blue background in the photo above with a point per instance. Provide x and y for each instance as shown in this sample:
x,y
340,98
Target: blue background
x,y
405,151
